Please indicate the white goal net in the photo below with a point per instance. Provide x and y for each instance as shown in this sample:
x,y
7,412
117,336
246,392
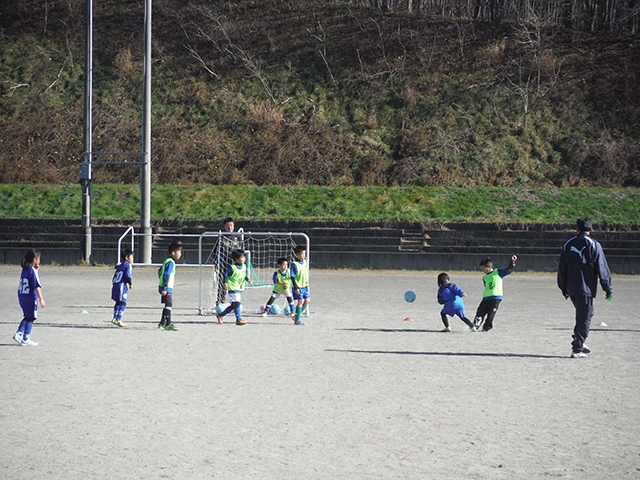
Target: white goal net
x,y
262,251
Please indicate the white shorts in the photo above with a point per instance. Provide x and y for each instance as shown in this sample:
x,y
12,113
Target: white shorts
x,y
235,297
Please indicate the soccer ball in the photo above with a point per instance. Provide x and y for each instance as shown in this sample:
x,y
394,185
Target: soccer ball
x,y
275,309
220,308
287,310
409,296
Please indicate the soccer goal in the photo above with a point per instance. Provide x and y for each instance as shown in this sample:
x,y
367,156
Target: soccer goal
x,y
262,251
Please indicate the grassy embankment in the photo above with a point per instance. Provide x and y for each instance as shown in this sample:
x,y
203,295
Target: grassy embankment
x,y
337,204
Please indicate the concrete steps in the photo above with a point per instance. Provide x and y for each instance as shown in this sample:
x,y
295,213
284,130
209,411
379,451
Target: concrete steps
x,y
446,246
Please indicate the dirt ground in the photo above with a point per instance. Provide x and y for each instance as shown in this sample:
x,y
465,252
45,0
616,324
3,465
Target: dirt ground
x,y
358,393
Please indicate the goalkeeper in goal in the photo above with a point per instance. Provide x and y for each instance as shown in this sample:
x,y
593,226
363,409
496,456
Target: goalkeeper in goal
x,y
281,286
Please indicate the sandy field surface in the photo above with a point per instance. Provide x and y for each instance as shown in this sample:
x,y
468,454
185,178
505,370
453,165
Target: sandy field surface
x,y
358,393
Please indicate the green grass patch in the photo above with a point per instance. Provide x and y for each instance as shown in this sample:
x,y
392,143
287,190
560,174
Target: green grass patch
x,y
338,204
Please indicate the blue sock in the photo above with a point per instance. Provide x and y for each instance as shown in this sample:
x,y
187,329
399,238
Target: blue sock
x,y
27,330
22,326
238,313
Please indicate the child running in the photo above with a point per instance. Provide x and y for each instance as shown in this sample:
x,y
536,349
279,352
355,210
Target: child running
x,y
300,281
281,286
492,292
120,285
234,279
167,275
29,292
450,295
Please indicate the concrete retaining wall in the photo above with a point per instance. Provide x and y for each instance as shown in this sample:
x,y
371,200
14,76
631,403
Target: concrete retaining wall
x,y
355,245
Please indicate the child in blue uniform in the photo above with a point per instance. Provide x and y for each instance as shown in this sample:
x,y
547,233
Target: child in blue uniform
x,y
29,292
166,280
120,285
450,295
281,286
234,279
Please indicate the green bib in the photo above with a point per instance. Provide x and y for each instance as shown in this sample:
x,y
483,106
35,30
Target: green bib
x,y
302,275
283,278
172,275
235,281
492,284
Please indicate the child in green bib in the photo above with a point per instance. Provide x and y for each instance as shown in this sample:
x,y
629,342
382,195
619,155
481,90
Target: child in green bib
x,y
234,280
492,292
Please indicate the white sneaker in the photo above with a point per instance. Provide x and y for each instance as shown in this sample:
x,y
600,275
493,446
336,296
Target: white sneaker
x,y
578,355
18,337
29,343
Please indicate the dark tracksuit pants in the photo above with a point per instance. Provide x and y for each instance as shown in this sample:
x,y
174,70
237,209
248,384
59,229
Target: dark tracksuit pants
x,y
488,307
584,313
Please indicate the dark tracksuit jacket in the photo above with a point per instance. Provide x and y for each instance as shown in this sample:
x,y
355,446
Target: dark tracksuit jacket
x,y
582,263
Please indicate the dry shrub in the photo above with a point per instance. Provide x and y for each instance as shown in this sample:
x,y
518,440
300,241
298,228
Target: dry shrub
x,y
548,63
184,154
409,96
124,64
613,162
372,121
42,150
493,54
289,154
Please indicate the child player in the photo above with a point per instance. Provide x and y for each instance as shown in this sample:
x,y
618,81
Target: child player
x,y
492,295
120,285
167,274
29,292
450,295
300,281
281,286
234,279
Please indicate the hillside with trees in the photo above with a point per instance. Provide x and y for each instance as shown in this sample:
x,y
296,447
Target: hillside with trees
x,y
532,93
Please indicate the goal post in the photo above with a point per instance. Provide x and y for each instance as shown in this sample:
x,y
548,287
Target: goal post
x,y
262,251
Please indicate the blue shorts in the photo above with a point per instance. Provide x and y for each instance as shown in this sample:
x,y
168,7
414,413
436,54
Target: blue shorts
x,y
119,292
454,311
303,295
30,309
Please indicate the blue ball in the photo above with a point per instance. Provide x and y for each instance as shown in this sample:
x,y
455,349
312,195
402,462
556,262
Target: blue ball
x,y
409,296
275,309
220,308
287,310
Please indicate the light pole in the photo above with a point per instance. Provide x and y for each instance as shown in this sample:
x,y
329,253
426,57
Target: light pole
x,y
145,174
85,166
87,156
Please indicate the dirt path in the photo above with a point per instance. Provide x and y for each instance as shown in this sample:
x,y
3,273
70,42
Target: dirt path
x,y
357,394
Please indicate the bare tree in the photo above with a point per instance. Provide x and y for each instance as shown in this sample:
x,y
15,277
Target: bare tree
x,y
210,33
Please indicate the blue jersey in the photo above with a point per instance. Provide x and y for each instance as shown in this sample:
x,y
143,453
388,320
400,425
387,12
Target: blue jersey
x,y
121,282
450,295
29,281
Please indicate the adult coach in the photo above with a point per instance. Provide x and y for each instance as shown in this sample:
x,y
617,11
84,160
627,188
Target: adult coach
x,y
227,245
582,263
